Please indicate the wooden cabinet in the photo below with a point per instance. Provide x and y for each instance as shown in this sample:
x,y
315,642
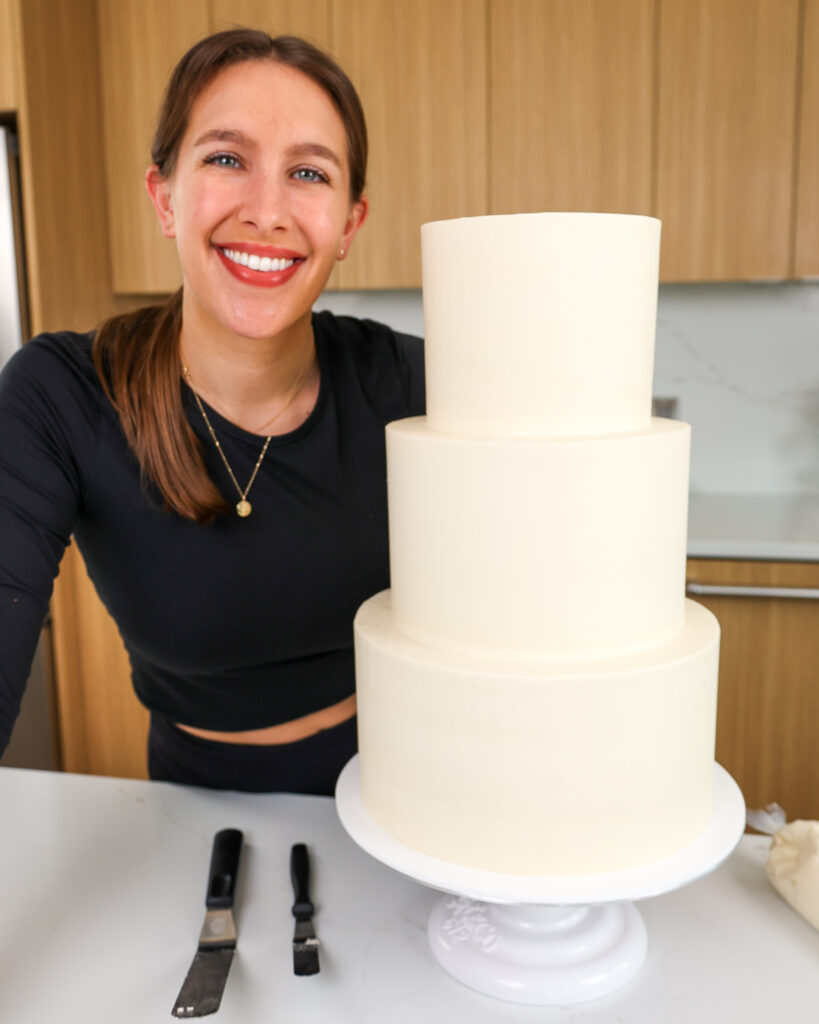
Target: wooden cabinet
x,y
683,109
309,19
9,43
420,70
139,43
704,113
768,707
806,220
103,728
727,87
571,105
427,157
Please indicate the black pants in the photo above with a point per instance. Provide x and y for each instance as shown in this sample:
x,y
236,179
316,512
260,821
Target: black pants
x,y
311,765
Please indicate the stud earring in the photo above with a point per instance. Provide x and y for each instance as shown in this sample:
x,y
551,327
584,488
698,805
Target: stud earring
x,y
342,253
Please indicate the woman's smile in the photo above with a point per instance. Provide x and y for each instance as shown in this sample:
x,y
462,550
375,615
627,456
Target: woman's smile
x,y
261,266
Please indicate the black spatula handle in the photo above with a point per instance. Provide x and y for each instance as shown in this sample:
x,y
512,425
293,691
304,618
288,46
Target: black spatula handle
x,y
224,867
300,876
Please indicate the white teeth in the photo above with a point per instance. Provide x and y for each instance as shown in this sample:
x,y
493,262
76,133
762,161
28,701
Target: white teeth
x,y
266,264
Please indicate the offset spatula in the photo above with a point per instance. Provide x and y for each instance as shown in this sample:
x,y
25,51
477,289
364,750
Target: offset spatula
x,y
201,992
305,943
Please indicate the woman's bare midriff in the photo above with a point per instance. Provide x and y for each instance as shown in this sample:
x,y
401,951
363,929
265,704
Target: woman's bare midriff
x,y
286,732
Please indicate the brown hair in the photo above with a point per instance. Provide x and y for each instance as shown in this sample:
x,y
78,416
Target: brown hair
x,y
137,354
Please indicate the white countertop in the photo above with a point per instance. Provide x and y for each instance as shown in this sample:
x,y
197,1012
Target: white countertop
x,y
103,898
778,527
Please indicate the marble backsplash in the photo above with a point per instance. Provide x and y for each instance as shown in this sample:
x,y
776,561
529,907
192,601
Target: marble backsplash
x,y
742,361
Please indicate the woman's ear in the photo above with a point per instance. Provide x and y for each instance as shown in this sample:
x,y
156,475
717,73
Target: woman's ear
x,y
355,218
159,189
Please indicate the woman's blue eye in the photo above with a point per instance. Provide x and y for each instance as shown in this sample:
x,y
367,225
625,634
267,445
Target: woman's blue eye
x,y
310,174
222,160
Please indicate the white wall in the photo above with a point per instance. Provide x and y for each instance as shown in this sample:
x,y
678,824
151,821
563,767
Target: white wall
x,y
742,361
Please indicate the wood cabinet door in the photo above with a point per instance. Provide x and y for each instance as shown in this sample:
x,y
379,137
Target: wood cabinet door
x,y
140,41
420,69
806,243
571,105
9,43
102,726
727,83
309,19
768,704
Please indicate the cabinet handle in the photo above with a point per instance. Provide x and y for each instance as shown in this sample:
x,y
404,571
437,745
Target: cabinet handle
x,y
805,593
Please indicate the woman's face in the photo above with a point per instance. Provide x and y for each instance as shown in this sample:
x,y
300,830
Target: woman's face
x,y
259,200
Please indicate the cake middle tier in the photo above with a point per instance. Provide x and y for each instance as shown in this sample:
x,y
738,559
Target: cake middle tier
x,y
544,547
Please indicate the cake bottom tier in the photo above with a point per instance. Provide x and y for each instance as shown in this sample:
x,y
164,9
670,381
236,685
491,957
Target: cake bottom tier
x,y
541,768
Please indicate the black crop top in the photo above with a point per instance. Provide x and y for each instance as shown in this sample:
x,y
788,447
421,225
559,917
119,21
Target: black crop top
x,y
240,624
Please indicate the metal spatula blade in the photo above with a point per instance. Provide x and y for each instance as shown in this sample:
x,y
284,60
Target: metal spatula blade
x,y
201,991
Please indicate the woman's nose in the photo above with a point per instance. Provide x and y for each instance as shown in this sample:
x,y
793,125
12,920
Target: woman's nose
x,y
265,203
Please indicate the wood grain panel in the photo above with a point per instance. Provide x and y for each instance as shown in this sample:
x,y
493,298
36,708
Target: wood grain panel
x,y
727,94
420,69
806,257
9,48
309,19
571,105
140,42
63,182
103,727
768,709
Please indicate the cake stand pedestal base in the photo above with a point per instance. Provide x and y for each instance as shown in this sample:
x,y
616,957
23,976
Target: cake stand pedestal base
x,y
544,940
538,955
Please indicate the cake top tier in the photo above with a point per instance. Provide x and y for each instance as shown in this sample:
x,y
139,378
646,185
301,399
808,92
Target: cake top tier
x,y
540,324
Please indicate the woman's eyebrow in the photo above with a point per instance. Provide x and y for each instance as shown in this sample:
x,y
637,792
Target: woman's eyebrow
x,y
314,149
225,135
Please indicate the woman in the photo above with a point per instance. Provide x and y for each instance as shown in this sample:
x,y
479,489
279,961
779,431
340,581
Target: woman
x,y
220,460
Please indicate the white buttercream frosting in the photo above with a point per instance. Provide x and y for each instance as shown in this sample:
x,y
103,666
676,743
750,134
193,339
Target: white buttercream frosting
x,y
535,694
532,769
540,323
553,547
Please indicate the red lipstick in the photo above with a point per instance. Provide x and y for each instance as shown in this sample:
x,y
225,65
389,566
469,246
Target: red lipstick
x,y
260,278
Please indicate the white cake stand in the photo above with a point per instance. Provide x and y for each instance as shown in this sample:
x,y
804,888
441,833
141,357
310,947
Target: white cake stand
x,y
543,941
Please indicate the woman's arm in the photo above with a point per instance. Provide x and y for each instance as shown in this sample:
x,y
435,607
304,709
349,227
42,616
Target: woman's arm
x,y
411,359
43,416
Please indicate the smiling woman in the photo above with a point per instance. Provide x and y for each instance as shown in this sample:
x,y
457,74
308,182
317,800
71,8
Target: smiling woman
x,y
241,183
227,174
220,459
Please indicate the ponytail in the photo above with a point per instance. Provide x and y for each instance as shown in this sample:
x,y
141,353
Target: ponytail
x,y
136,356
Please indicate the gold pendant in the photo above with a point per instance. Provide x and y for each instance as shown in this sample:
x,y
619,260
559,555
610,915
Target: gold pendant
x,y
244,508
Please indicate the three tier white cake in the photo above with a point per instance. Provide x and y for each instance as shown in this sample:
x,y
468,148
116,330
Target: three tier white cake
x,y
535,693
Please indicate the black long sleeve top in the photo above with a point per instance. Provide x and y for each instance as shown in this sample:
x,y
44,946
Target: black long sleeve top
x,y
239,624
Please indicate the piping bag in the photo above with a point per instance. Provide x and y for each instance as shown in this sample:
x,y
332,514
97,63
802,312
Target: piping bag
x,y
793,860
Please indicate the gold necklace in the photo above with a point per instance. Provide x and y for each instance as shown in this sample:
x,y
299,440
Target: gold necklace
x,y
243,506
